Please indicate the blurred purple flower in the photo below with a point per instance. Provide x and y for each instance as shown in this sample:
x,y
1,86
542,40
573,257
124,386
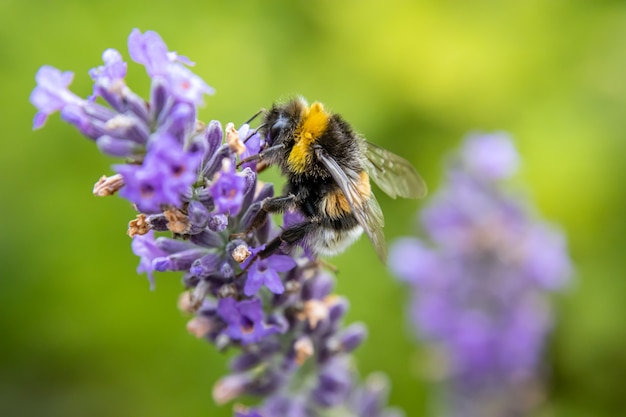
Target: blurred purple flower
x,y
480,291
491,156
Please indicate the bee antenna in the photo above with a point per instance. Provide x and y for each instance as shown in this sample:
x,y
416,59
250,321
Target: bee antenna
x,y
255,116
254,132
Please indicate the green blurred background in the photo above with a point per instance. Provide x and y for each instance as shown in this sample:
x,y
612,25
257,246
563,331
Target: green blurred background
x,y
81,334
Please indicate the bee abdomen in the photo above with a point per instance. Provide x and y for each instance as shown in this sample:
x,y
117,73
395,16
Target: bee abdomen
x,y
330,241
335,205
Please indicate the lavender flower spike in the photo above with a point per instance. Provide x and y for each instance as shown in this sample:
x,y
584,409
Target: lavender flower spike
x,y
481,285
278,314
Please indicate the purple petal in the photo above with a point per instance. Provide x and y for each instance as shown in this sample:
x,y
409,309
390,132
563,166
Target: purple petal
x,y
39,120
252,143
178,122
281,263
227,309
167,173
117,147
252,309
334,382
149,50
228,189
491,156
174,57
292,217
198,213
145,247
254,282
112,72
143,186
273,283
186,86
51,93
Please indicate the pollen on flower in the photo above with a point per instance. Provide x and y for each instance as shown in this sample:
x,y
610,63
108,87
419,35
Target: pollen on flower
x,y
138,226
227,290
304,349
241,253
292,287
314,312
228,388
199,326
107,186
177,221
233,140
185,303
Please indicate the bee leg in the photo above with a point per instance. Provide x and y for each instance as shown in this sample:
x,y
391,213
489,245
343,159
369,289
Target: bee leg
x,y
290,235
269,205
261,166
261,155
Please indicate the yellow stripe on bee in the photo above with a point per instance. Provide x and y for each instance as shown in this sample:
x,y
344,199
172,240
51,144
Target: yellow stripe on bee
x,y
312,125
336,204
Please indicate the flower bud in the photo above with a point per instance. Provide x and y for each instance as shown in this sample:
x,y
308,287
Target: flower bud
x,y
107,186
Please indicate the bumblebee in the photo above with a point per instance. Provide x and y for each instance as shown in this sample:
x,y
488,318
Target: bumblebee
x,y
328,167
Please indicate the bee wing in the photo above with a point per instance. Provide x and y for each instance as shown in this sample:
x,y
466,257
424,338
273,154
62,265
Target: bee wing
x,y
367,212
392,173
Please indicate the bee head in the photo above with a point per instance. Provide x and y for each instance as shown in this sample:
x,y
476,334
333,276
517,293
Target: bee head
x,y
276,130
281,121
